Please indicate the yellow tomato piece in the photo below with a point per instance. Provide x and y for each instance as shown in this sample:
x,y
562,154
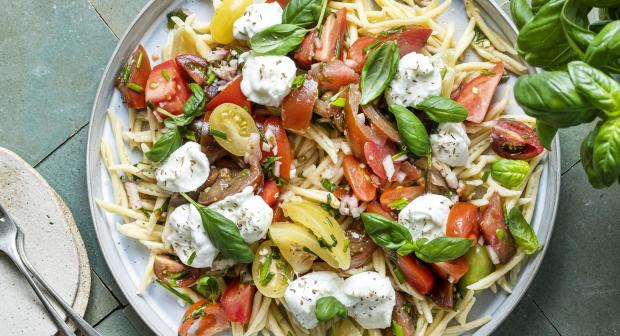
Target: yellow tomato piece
x,y
231,126
270,271
225,15
326,228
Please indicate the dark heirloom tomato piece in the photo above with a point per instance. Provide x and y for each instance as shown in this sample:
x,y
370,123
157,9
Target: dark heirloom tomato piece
x,y
463,222
452,270
361,246
380,124
237,301
443,294
298,105
501,246
204,319
358,177
515,140
231,93
270,192
402,316
408,193
273,125
195,67
305,55
476,95
376,208
135,72
375,154
170,270
332,37
166,88
333,75
410,40
418,275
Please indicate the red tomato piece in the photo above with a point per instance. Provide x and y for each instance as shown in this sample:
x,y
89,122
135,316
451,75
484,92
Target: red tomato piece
x,y
357,133
476,95
333,75
297,107
463,222
408,193
416,274
231,93
139,70
410,40
282,3
332,37
501,250
515,140
412,172
375,154
452,270
273,125
359,179
210,317
270,192
357,52
166,88
305,55
237,301
278,214
376,208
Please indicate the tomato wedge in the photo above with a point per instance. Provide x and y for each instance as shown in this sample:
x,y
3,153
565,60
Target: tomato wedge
x,y
411,39
452,270
476,95
515,140
357,133
463,222
375,155
415,273
305,55
412,173
298,105
359,179
270,192
237,301
376,208
502,249
380,125
231,93
166,88
170,270
136,72
333,75
282,3
209,319
273,127
409,193
357,52
332,37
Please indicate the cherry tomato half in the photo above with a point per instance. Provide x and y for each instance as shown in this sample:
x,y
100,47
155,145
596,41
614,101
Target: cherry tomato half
x,y
272,127
359,179
333,75
297,107
166,88
305,55
408,193
332,37
452,270
170,270
234,126
376,208
515,140
492,222
416,274
237,301
231,93
476,95
463,222
270,192
138,71
210,318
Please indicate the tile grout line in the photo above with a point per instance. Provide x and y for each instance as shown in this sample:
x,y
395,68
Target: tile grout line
x,y
60,145
102,19
545,315
571,167
120,304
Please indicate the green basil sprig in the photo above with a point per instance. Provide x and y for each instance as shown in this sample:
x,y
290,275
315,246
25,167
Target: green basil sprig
x,y
537,4
521,231
378,71
442,249
223,233
605,47
587,158
208,287
509,173
279,39
521,12
411,130
302,12
606,155
329,307
600,90
574,19
442,109
166,145
545,134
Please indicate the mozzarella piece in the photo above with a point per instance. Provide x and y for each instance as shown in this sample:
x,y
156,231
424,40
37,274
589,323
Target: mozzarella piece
x,y
186,169
185,234
451,144
302,294
372,299
257,17
416,79
248,211
426,216
268,79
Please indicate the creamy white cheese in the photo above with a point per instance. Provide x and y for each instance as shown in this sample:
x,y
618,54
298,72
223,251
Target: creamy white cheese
x,y
451,144
185,234
416,79
186,169
372,299
268,79
426,216
257,17
302,294
250,212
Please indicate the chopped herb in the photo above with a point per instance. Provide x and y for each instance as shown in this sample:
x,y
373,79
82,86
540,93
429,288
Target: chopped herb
x,y
399,203
219,134
488,73
347,188
338,48
328,185
346,245
398,154
371,46
333,212
298,81
175,292
338,102
145,212
479,36
177,275
208,287
191,258
501,234
485,176
139,63
280,181
135,87
198,313
324,244
269,164
181,13
397,329
392,31
504,79
211,76
264,278
165,74
150,105
442,72
127,72
267,279
399,274
191,136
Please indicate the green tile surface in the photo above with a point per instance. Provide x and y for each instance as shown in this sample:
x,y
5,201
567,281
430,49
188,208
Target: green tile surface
x,y
118,14
101,302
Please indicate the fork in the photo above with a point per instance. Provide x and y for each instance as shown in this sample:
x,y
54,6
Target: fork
x,y
12,244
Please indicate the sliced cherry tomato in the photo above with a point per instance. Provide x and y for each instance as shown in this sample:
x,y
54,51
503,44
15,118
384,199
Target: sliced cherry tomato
x,y
443,294
376,208
412,173
359,179
333,75
305,55
332,37
298,105
409,193
170,270
340,192
358,52
268,260
502,246
203,319
237,301
416,274
515,140
231,93
195,67
166,88
375,155
225,16
476,95
136,72
412,39
273,125
236,124
463,222
270,192
357,133
452,270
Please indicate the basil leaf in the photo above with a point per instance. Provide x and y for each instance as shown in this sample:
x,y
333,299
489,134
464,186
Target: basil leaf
x,y
208,287
223,233
329,307
596,87
180,295
606,153
601,3
387,233
397,329
411,130
587,158
194,106
605,47
574,18
521,231
277,40
521,12
378,71
442,109
166,145
552,98
509,173
537,4
302,12
442,249
545,134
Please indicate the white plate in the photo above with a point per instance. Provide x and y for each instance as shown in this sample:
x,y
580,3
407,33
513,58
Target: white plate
x,y
127,258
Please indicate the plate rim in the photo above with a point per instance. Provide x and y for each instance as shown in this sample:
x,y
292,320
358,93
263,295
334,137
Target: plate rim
x,y
111,253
